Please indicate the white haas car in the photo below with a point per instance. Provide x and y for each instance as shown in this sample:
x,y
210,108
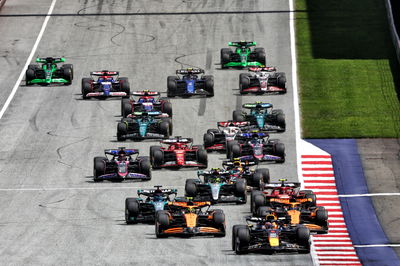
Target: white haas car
x,y
218,139
262,80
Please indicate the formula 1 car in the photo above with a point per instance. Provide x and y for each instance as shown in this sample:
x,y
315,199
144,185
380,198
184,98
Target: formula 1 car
x,y
314,218
243,56
282,190
49,72
217,139
144,210
144,125
263,116
190,84
217,186
190,219
271,235
121,166
258,148
146,103
256,178
262,80
108,84
179,153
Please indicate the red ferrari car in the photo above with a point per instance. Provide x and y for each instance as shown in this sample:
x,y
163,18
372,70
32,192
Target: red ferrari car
x,y
179,152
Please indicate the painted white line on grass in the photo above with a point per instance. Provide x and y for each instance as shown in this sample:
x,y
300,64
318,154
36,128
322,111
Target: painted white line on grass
x,y
370,195
33,51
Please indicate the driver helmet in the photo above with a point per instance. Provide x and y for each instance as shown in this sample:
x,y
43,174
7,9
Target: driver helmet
x,y
254,136
121,155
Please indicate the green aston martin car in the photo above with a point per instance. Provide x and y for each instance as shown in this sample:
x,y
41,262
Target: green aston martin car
x,y
243,56
49,72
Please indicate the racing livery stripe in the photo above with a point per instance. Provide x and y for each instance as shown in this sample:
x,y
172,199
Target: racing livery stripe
x,y
336,247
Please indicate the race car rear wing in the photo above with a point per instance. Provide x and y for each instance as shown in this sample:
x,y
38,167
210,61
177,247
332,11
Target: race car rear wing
x,y
185,71
242,43
104,73
117,151
145,93
233,124
151,113
257,105
177,140
281,184
258,69
215,172
250,135
231,163
150,192
50,59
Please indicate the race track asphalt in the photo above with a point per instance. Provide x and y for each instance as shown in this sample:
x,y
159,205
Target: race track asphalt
x,y
52,212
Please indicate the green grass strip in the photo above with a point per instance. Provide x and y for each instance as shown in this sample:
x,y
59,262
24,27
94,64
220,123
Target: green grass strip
x,y
348,70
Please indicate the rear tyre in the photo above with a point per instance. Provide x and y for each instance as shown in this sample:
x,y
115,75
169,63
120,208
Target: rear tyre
x,y
263,211
190,188
165,129
225,57
258,201
235,151
260,55
209,85
29,76
244,82
202,157
280,151
132,210
321,216
281,80
208,140
145,167
99,168
167,108
171,86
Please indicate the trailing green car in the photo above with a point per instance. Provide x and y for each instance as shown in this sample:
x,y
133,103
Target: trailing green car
x,y
49,72
243,56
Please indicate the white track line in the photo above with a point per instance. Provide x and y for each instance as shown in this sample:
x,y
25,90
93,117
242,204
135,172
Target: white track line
x,y
378,245
75,188
33,51
369,195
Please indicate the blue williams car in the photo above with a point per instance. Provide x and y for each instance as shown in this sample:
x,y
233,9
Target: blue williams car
x,y
144,125
144,210
218,186
189,83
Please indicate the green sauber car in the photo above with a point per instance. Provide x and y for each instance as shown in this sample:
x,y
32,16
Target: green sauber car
x,y
49,72
243,56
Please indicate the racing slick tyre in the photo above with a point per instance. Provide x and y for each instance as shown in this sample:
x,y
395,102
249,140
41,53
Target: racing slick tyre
x,y
33,66
225,57
122,130
244,82
260,55
238,116
209,85
256,180
280,121
132,210
242,240
280,151
166,107
321,216
263,211
202,157
29,76
235,229
190,187
229,147
258,201
208,140
165,129
126,107
171,86
313,198
303,238
67,75
162,220
253,195
265,174
70,66
212,130
219,217
99,168
235,151
169,120
281,80
86,87
125,86
156,162
145,167
241,190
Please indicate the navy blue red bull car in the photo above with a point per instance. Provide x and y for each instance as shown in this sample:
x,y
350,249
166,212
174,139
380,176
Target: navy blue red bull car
x,y
108,84
145,101
121,166
189,83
